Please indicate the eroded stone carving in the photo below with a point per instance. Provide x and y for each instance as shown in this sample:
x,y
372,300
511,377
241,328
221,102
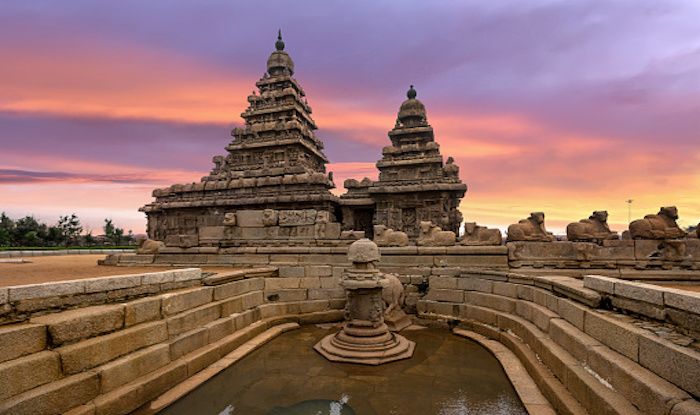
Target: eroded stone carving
x,y
432,235
230,218
671,250
389,237
149,246
480,235
270,217
352,235
530,229
660,226
393,296
593,229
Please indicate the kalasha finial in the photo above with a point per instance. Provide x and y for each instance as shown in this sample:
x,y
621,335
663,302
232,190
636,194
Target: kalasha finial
x,y
279,44
411,94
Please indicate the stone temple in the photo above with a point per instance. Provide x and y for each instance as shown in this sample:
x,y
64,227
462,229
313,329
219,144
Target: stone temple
x,y
272,185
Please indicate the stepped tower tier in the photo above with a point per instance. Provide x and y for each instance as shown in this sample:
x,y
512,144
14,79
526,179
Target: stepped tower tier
x,y
274,165
414,183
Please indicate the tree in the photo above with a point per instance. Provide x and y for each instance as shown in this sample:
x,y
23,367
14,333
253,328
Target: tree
x,y
113,233
7,227
70,228
28,232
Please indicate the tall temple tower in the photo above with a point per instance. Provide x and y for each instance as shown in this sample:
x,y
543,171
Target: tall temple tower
x,y
274,166
414,185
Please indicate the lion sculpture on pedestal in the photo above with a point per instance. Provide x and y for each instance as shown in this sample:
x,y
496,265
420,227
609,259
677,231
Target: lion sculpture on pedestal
x,y
531,229
433,235
593,229
660,226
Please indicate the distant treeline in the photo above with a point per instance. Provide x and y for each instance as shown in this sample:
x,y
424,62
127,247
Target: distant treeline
x,y
29,232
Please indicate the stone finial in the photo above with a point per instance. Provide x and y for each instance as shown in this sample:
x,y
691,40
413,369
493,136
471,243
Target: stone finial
x,y
279,45
363,251
411,94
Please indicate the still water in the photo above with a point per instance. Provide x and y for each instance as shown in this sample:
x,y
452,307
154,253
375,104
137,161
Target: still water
x,y
448,375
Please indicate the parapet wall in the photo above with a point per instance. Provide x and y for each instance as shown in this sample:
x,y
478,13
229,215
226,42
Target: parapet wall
x,y
583,358
114,353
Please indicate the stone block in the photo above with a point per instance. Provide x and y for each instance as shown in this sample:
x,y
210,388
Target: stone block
x,y
571,339
545,298
98,350
314,306
157,277
188,341
4,295
442,309
505,289
93,285
525,292
623,338
87,409
641,292
292,272
202,358
24,373
141,311
195,317
176,302
319,271
19,340
684,319
639,307
302,232
480,314
475,284
187,274
220,328
211,233
249,218
329,282
286,295
132,366
682,300
129,397
281,283
572,312
237,288
55,397
326,294
52,289
600,283
315,282
252,300
495,302
440,282
679,365
451,296
648,392
491,261
71,325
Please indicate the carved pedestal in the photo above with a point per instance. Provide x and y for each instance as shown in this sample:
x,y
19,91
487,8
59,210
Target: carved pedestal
x,y
365,338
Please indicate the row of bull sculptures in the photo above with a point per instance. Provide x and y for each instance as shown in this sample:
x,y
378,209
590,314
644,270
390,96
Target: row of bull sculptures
x,y
660,226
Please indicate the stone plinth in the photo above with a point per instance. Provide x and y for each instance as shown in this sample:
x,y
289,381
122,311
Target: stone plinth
x,y
365,338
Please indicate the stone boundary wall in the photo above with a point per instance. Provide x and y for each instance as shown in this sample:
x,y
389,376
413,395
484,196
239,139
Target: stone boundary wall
x,y
484,257
29,253
679,307
584,360
114,358
18,303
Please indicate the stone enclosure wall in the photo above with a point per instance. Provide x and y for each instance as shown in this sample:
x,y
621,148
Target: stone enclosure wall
x,y
111,345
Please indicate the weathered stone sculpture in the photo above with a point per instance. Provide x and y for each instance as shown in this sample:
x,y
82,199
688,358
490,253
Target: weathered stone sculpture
x,y
389,237
480,235
432,235
365,338
149,246
393,296
593,229
660,226
530,229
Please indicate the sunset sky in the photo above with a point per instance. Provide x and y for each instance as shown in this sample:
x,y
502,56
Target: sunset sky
x,y
558,106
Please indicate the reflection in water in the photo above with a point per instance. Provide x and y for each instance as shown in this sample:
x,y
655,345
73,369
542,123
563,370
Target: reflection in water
x,y
448,375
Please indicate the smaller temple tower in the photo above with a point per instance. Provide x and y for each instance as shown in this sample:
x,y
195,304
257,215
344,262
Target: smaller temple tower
x,y
414,184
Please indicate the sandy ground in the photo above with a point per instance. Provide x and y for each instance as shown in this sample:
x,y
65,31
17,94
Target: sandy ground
x,y
68,267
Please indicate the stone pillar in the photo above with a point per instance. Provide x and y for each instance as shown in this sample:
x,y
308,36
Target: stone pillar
x,y
365,338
